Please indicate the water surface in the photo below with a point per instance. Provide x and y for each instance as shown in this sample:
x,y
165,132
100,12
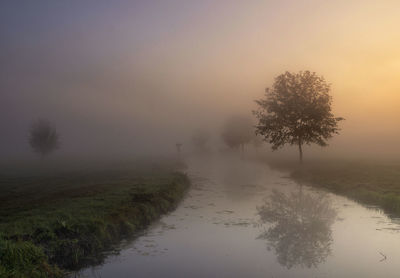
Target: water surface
x,y
243,219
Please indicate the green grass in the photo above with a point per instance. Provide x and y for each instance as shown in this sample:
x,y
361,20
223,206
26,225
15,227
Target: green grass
x,y
371,183
64,221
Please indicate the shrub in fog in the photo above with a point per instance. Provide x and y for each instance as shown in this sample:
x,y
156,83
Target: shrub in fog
x,y
43,137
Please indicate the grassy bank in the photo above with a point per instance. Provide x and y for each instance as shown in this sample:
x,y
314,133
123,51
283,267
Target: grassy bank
x,y
63,221
370,183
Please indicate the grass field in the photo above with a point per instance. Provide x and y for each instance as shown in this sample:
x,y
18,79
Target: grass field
x,y
53,221
371,183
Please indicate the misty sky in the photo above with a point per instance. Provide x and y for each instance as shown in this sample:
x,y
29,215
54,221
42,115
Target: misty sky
x,y
138,76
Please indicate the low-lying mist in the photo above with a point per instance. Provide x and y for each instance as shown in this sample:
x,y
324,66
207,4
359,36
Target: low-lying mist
x,y
136,79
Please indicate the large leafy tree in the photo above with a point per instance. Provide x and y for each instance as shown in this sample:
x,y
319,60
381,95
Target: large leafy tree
x,y
43,137
297,111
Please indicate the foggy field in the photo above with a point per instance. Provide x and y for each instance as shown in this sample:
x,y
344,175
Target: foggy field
x,y
65,220
371,183
248,138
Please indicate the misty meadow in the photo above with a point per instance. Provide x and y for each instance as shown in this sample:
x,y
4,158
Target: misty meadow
x,y
199,139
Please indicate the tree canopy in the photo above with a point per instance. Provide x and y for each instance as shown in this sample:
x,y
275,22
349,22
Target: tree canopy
x,y
296,110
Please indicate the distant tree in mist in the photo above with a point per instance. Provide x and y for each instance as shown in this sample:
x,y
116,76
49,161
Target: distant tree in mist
x,y
178,148
297,111
238,131
43,137
200,139
257,141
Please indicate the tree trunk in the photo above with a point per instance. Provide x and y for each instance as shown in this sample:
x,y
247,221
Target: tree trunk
x,y
300,152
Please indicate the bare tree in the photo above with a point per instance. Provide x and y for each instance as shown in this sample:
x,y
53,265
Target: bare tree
x,y
297,111
43,137
237,132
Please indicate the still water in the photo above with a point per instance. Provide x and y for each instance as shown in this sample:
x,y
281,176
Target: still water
x,y
243,219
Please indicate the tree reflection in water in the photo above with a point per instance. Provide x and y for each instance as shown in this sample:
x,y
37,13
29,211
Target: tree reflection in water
x,y
300,227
